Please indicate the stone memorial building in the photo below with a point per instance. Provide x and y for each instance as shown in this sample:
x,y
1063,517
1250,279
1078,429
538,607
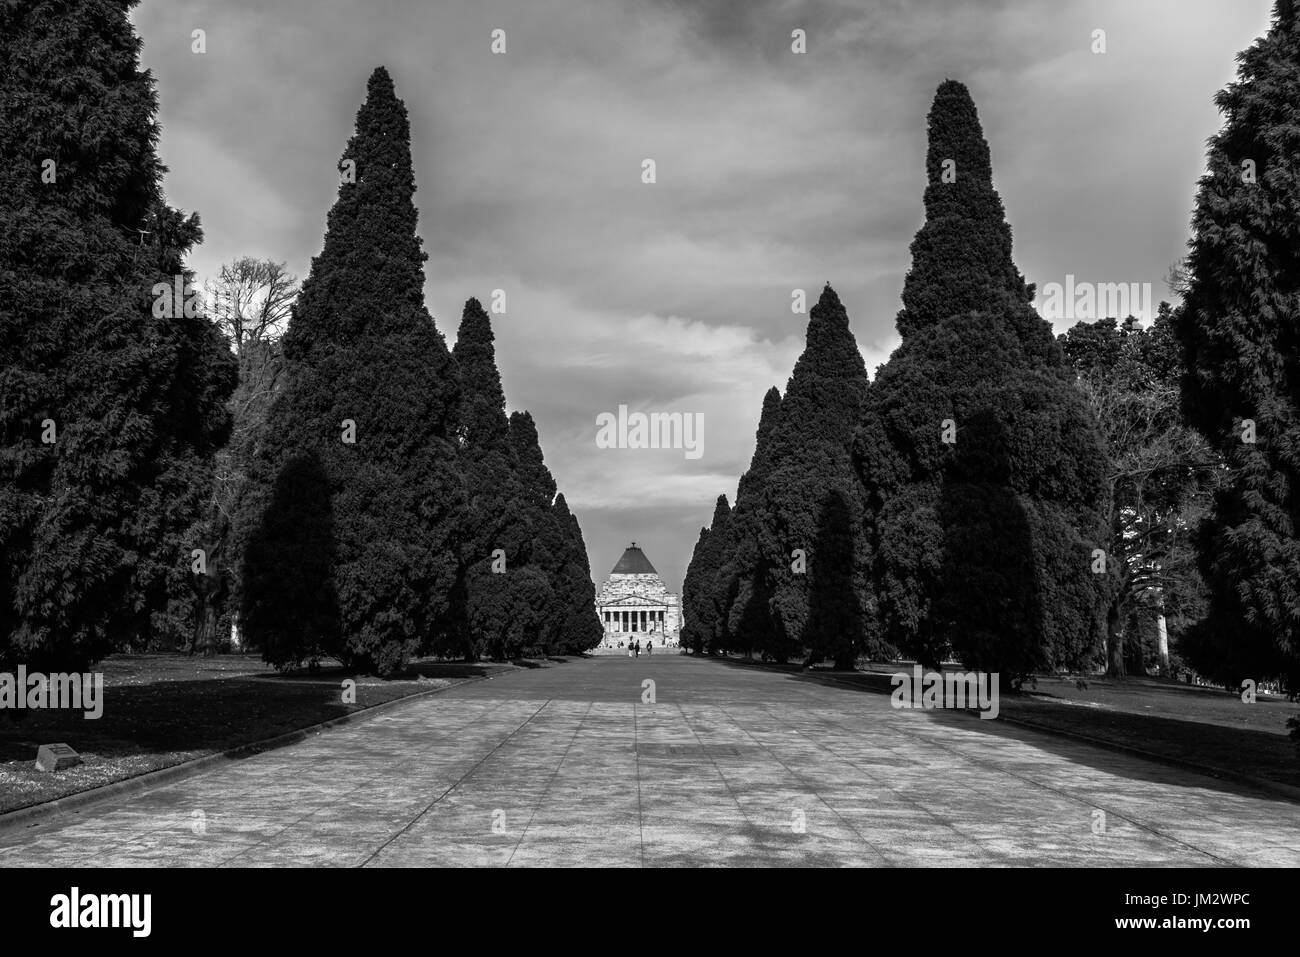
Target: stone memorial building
x,y
634,604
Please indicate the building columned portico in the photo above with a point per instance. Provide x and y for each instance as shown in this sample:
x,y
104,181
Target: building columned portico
x,y
635,605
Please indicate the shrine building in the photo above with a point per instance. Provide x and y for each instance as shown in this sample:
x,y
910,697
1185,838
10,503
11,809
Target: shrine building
x,y
634,604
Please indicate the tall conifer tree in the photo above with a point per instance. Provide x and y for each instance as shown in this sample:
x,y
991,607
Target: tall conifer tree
x,y
575,591
557,548
740,593
768,545
807,465
702,609
983,472
112,397
371,399
509,597
1239,327
697,584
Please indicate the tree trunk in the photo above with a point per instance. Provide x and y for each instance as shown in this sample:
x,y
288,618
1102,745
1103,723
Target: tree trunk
x,y
1115,613
206,640
211,586
1162,639
210,589
1115,641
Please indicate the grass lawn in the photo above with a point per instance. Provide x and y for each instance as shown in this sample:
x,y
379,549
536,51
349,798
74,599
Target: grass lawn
x,y
1207,727
161,710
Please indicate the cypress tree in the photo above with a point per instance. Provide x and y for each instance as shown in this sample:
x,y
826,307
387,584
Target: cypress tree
x,y
808,464
758,462
371,396
508,596
482,417
298,620
802,460
696,587
701,606
556,548
580,628
837,619
735,593
1239,327
538,482
982,470
542,541
961,256
112,397
526,585
546,533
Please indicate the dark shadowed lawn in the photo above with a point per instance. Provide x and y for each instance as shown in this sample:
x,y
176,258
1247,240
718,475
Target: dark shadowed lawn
x,y
164,709
1208,727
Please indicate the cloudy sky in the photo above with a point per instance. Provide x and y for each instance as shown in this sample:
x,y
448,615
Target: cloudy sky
x,y
775,171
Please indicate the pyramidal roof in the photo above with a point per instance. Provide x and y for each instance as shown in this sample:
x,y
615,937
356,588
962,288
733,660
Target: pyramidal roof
x,y
634,562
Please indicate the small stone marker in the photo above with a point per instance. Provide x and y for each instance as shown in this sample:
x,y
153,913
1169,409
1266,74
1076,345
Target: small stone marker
x,y
56,757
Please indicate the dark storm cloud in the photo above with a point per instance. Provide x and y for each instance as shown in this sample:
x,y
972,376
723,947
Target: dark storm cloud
x,y
763,27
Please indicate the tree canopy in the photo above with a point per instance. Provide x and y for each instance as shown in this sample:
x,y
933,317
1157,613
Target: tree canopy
x,y
368,412
981,467
113,388
1239,327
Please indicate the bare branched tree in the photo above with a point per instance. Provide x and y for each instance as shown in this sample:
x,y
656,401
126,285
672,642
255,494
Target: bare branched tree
x,y
250,301
1162,473
1177,279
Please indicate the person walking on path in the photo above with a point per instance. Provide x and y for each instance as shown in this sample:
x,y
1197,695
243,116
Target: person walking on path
x,y
650,647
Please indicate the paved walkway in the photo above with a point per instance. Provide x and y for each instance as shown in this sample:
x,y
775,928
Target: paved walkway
x,y
731,765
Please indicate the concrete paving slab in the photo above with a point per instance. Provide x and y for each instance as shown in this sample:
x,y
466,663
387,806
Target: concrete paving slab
x,y
729,766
